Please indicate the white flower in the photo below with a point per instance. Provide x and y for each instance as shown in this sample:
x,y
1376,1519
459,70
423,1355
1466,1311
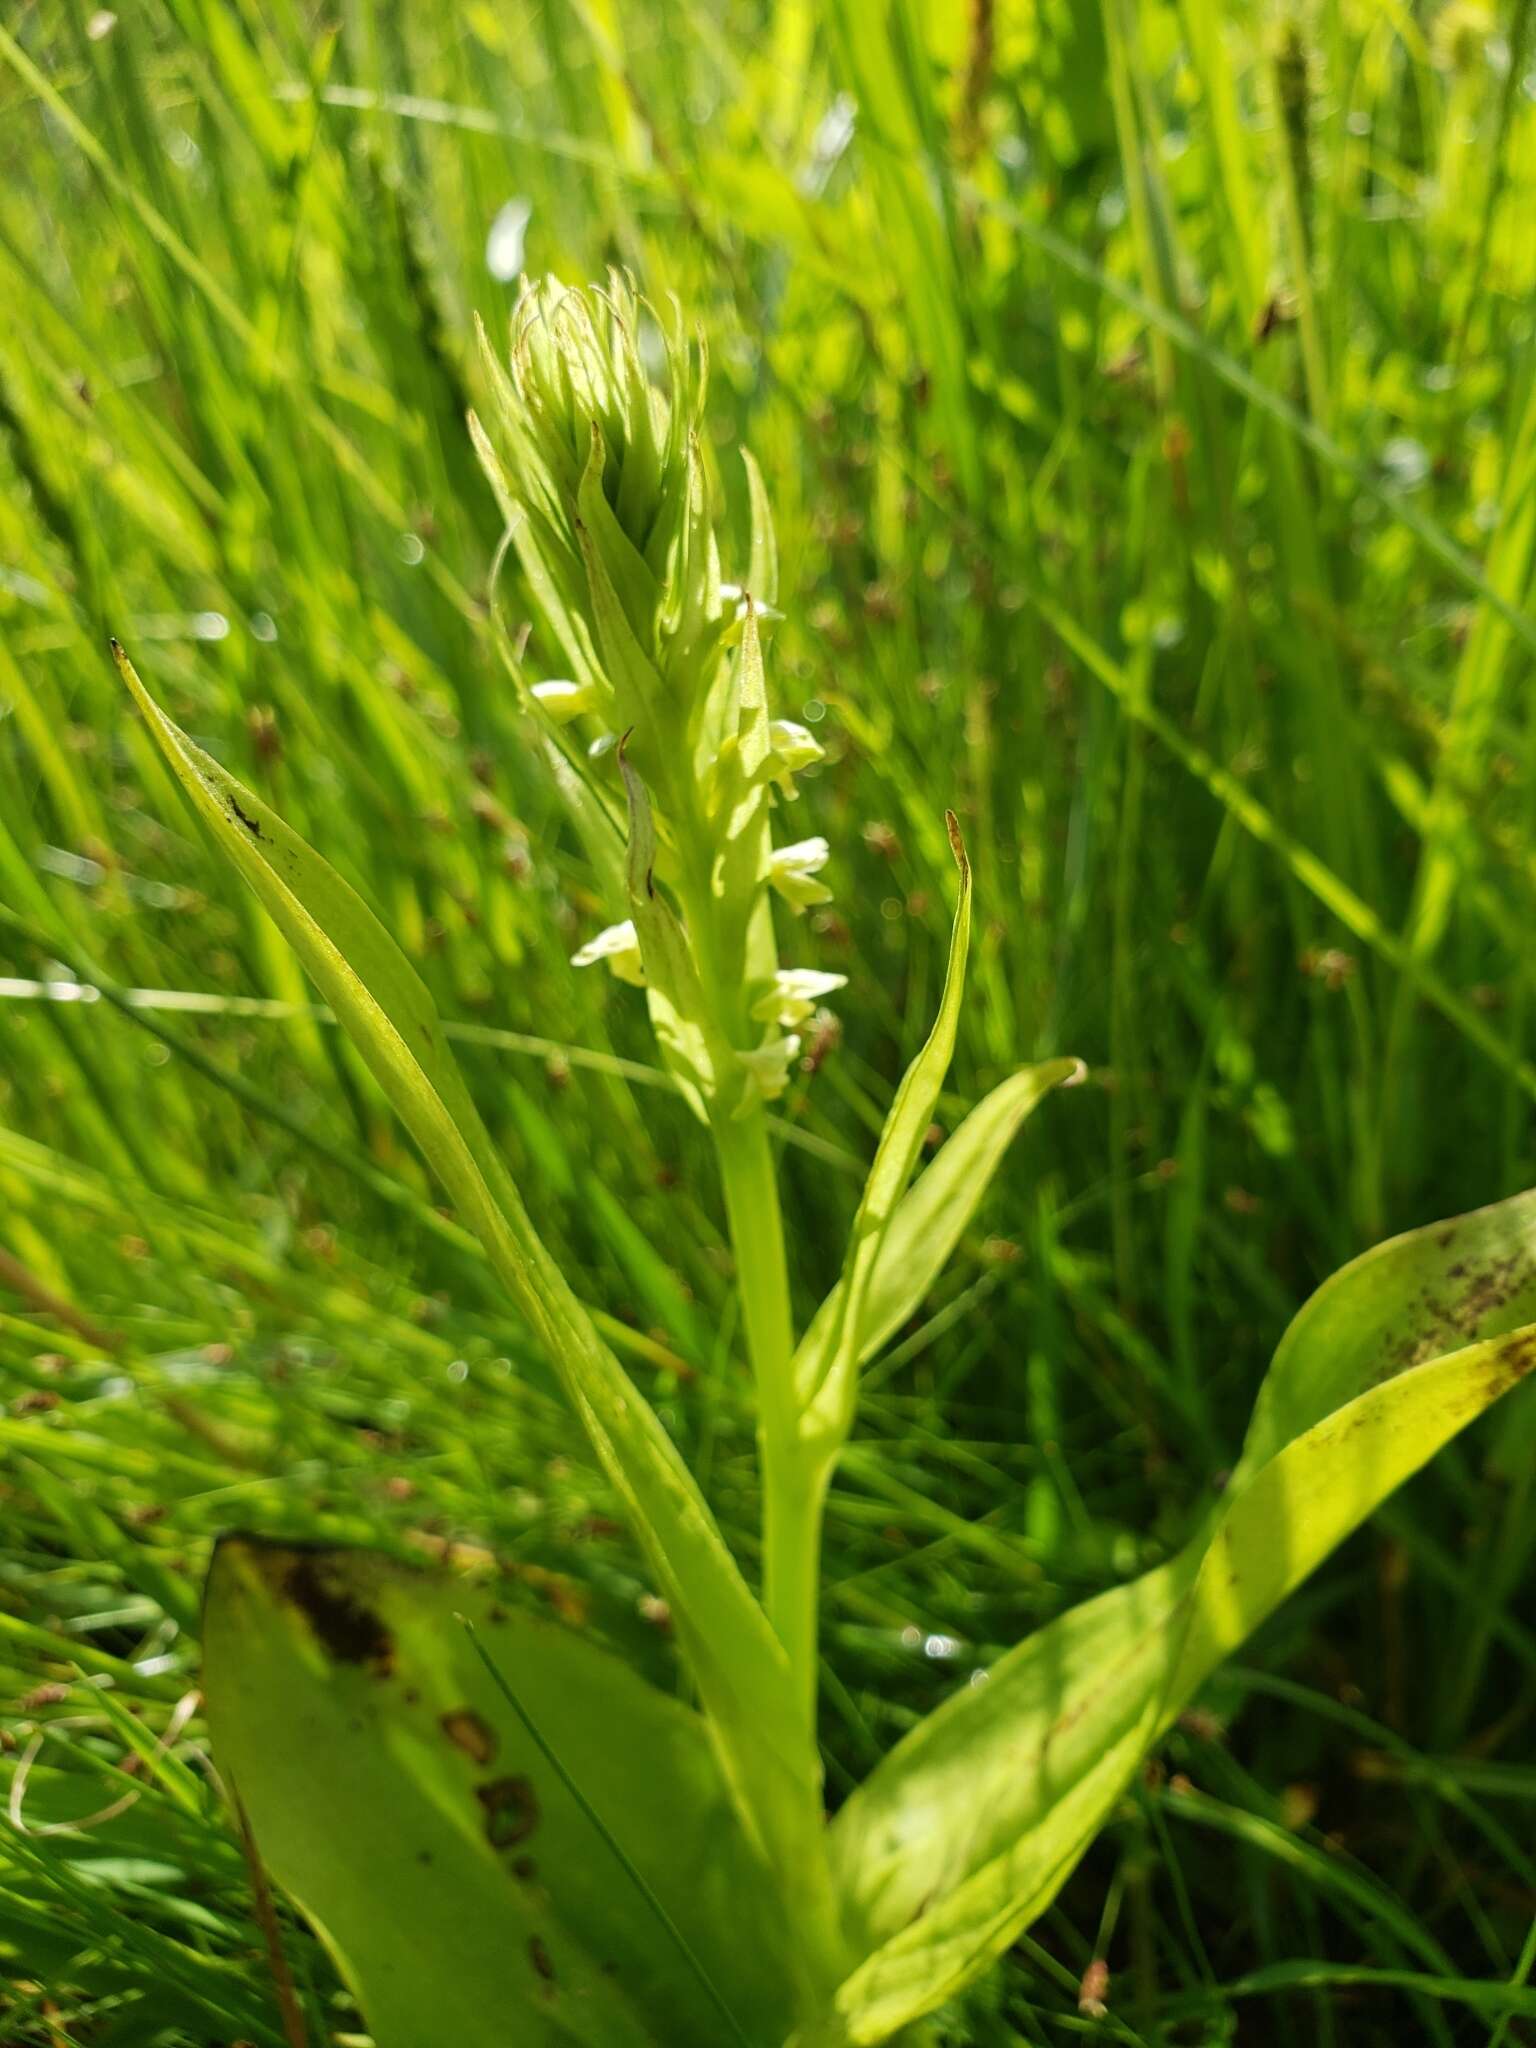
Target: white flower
x,y
790,748
793,869
564,700
795,993
766,1072
620,947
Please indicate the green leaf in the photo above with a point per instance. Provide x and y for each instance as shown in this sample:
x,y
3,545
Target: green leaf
x,y
827,1377
1436,1288
736,1659
763,559
466,1892
966,1831
933,1214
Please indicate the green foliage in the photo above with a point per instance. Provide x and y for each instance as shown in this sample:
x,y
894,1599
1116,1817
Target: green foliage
x,y
738,1663
969,1829
1149,460
405,1804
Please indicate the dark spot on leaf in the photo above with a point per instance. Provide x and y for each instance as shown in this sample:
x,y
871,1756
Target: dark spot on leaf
x,y
511,1811
250,824
423,1855
538,1955
470,1732
350,1631
525,1868
1510,1364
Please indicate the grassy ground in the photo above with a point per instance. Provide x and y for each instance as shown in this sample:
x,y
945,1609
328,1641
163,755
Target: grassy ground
x,y
1146,398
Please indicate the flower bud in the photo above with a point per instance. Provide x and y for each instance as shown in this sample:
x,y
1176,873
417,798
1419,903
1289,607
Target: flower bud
x,y
598,474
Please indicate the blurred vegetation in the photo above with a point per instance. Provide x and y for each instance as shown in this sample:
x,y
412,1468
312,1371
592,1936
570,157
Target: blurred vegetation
x,y
1146,398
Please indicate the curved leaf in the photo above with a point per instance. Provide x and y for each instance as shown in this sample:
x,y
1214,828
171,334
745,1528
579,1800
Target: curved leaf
x,y
737,1660
826,1378
467,1896
934,1213
967,1830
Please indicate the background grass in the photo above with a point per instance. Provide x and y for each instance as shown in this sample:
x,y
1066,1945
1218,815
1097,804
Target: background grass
x,y
1145,393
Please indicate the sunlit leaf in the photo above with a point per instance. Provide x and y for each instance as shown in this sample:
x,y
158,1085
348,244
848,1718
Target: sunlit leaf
x,y
933,1214
966,1831
737,1660
826,1377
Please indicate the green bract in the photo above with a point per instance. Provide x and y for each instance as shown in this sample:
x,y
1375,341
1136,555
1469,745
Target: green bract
x,y
536,1846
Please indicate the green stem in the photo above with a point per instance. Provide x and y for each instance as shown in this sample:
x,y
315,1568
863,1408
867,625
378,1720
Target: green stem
x,y
791,1495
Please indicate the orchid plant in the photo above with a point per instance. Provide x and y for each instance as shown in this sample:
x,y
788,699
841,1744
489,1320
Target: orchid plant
x,y
503,1832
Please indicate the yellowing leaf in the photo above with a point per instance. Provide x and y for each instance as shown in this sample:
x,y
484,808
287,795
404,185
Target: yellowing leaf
x,y
966,1831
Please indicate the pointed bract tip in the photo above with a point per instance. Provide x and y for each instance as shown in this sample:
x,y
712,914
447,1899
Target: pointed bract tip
x,y
957,845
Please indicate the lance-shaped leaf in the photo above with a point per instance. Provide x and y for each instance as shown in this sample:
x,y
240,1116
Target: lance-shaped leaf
x,y
763,558
468,1893
966,1831
736,1659
933,1214
827,1377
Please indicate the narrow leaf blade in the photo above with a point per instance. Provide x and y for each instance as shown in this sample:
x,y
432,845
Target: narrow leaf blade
x,y
742,1674
827,1378
935,1212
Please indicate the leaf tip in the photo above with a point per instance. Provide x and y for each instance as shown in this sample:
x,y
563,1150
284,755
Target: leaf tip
x,y
1078,1075
957,846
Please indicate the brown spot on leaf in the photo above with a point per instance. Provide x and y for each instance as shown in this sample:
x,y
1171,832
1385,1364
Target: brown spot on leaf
x,y
1510,1364
470,1732
350,1630
511,1811
538,1955
525,1868
250,824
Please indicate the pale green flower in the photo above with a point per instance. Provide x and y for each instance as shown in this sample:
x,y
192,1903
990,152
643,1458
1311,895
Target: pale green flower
x,y
563,701
619,947
793,870
790,748
766,1072
795,993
